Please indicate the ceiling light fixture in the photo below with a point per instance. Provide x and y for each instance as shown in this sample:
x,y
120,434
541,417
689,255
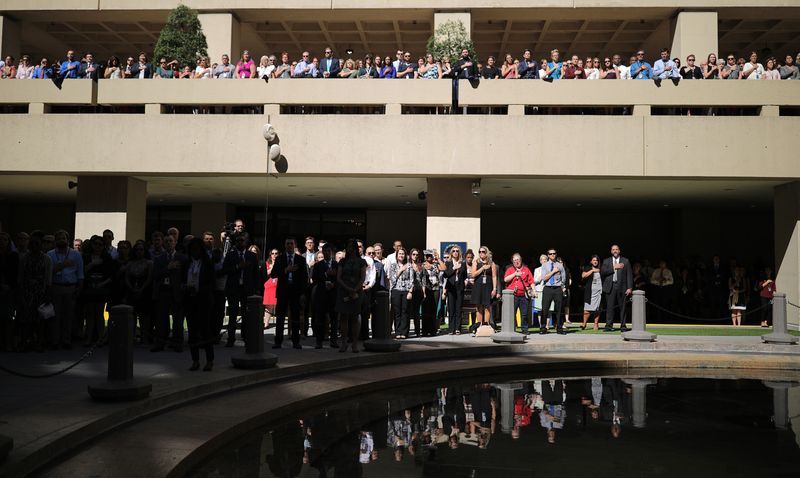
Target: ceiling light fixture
x,y
476,187
349,51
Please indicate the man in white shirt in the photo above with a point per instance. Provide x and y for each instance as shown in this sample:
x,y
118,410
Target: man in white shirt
x,y
369,281
392,258
624,70
664,67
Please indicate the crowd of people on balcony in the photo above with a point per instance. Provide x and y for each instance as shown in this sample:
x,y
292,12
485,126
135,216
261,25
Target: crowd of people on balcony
x,y
54,290
405,66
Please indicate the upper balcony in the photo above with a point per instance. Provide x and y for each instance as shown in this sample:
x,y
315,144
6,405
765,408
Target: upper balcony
x,y
592,128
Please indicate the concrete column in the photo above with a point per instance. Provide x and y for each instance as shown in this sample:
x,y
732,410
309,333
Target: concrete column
x,y
454,213
463,17
516,110
787,247
222,33
10,38
507,405
641,110
394,109
770,111
210,216
695,33
118,203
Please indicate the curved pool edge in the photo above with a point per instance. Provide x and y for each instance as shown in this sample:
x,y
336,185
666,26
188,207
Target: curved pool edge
x,y
772,358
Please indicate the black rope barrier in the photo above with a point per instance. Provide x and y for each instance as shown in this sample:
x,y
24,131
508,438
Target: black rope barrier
x,y
85,356
706,319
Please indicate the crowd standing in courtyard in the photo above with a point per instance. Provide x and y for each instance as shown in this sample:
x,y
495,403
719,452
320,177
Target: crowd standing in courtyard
x,y
54,290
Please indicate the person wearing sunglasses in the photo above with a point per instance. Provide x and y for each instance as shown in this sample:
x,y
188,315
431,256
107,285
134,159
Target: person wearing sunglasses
x,y
484,273
731,70
691,71
555,281
640,69
455,274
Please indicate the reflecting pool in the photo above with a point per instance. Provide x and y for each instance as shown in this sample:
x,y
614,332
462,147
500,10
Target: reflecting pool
x,y
573,427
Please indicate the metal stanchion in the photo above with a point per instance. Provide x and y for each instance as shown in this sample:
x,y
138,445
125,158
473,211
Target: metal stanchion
x,y
507,405
639,399
6,445
780,402
639,313
120,385
381,341
508,335
780,332
254,356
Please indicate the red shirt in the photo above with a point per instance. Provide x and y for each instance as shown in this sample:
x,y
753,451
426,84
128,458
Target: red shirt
x,y
518,284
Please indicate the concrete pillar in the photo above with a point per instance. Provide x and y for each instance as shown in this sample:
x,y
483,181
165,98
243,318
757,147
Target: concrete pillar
x,y
507,405
787,247
210,216
222,33
516,110
695,33
118,203
10,38
454,213
639,399
771,111
394,109
641,110
463,17
794,412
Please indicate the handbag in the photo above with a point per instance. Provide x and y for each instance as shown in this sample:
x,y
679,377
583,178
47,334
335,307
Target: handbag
x,y
46,311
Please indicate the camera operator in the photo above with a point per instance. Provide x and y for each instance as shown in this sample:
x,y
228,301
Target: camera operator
x,y
230,232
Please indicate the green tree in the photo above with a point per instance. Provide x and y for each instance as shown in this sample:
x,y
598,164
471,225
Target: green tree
x,y
449,39
181,38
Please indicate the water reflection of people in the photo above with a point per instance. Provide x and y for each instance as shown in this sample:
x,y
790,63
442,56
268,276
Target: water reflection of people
x,y
553,414
615,404
286,459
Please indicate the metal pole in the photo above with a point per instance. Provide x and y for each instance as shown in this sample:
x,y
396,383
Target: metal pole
x,y
120,384
508,335
780,332
639,313
254,356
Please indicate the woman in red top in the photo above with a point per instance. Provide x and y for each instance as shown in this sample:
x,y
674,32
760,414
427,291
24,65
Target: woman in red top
x,y
270,286
766,291
520,279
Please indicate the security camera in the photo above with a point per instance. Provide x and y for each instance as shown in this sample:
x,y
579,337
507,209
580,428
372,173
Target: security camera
x,y
422,195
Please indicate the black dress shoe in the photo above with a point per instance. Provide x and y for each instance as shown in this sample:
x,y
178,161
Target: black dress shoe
x,y
608,329
561,332
208,367
195,366
276,346
623,329
542,331
297,346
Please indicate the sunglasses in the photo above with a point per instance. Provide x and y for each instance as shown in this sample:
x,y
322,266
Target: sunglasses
x,y
551,253
482,252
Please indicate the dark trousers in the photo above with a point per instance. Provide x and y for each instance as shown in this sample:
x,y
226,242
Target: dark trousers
x,y
455,298
323,313
400,304
64,306
429,303
414,307
218,314
199,311
366,308
552,295
291,305
766,312
168,304
237,306
306,311
523,304
615,300
6,320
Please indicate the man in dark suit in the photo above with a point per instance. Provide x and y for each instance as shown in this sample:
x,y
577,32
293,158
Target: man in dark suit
x,y
617,276
169,278
241,267
329,66
89,69
292,273
323,278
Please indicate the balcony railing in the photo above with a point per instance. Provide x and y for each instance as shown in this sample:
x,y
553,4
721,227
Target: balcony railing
x,y
638,97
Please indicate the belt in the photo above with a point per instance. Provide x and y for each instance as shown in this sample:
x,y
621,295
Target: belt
x,y
60,284
553,286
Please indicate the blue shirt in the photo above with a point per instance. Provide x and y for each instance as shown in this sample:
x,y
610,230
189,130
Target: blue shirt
x,y
645,74
556,74
660,71
66,73
69,274
42,72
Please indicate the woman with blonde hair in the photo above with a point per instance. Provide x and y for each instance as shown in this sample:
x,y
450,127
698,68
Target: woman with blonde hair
x,y
349,70
509,69
484,272
737,285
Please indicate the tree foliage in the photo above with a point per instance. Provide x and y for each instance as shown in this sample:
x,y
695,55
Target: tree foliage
x,y
449,39
181,38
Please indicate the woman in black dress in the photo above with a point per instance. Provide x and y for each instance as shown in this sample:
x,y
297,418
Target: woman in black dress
x,y
99,272
485,288
350,280
455,273
417,293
